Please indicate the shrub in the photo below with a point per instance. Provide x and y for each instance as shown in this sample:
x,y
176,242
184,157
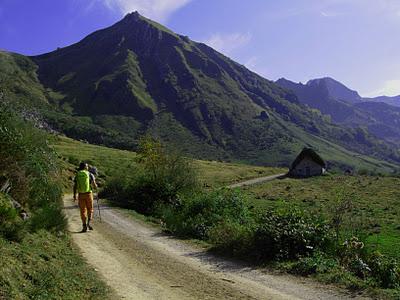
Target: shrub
x,y
351,254
289,234
10,223
167,168
231,238
115,190
143,194
384,270
197,215
163,176
48,217
317,263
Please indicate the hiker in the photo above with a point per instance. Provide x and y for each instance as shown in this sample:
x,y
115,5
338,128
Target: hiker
x,y
82,183
93,170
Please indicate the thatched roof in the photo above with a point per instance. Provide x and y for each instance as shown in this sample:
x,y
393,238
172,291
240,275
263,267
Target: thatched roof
x,y
310,153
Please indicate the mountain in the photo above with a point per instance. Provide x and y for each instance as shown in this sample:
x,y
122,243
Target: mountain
x,y
317,95
138,77
336,90
394,101
379,118
386,119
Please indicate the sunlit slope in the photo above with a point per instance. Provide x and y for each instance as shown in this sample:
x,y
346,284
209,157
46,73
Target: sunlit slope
x,y
139,77
113,162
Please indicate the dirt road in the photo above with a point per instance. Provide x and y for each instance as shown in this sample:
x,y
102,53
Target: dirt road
x,y
257,180
140,262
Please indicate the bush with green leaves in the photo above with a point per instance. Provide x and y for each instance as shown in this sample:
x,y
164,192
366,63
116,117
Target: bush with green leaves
x,y
232,238
205,212
143,193
384,270
10,224
289,235
352,255
318,262
162,177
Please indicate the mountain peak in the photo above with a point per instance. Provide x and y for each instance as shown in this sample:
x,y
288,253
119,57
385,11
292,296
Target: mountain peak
x,y
136,19
336,89
132,17
283,81
326,79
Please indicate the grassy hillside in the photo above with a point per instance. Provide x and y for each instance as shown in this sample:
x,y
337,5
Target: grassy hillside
x,y
38,260
375,203
111,162
138,77
18,76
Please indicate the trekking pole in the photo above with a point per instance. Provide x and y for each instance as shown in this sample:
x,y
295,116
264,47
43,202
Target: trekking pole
x,y
98,205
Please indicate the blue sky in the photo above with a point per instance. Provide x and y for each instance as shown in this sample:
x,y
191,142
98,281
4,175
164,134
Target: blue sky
x,y
354,41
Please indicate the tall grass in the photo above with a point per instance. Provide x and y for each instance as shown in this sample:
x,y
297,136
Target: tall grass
x,y
29,171
38,260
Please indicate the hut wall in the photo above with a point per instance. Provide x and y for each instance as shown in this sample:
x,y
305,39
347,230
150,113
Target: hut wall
x,y
301,170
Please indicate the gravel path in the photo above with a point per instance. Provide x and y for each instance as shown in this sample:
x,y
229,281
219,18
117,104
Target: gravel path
x,y
257,180
140,262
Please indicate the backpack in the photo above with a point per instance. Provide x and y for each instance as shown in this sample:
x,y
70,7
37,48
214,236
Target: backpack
x,y
83,181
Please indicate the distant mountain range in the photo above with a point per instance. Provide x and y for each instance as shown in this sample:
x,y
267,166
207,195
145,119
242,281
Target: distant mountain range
x,y
394,101
138,77
380,115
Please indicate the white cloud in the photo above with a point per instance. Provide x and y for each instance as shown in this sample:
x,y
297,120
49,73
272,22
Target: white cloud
x,y
228,43
90,5
252,63
158,10
389,88
330,14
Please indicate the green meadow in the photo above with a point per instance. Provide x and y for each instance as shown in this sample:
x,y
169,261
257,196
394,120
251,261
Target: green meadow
x,y
374,204
111,161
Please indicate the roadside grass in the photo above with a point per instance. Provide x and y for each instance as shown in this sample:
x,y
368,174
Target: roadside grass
x,y
375,203
112,162
38,260
46,266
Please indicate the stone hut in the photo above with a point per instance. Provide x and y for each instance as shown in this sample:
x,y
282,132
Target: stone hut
x,y
307,163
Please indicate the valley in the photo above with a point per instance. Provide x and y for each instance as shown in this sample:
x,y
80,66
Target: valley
x,y
194,156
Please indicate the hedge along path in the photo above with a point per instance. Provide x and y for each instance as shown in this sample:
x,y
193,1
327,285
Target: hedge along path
x,y
140,262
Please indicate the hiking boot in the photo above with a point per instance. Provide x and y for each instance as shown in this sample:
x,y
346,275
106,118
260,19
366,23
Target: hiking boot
x,y
84,228
89,227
